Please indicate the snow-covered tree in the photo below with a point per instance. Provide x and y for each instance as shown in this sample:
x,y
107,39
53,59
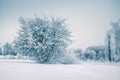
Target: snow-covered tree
x,y
96,52
113,42
45,38
108,49
0,51
116,32
7,49
90,54
78,53
21,42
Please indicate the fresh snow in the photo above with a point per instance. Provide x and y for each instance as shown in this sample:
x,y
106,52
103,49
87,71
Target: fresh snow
x,y
29,70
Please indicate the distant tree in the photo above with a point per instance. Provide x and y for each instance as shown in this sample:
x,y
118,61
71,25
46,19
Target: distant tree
x,y
7,49
90,54
44,38
78,53
0,51
97,52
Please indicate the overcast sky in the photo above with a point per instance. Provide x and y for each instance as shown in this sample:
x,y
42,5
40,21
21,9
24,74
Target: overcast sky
x,y
87,19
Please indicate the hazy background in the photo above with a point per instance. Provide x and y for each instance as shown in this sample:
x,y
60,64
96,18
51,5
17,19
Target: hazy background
x,y
88,19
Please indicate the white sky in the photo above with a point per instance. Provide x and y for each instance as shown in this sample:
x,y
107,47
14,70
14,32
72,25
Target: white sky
x,y
88,19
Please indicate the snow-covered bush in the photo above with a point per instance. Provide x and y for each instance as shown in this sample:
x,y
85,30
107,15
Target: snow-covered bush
x,y
68,58
90,54
45,38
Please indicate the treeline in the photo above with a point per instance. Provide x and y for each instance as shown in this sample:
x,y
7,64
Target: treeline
x,y
108,52
7,49
46,39
92,53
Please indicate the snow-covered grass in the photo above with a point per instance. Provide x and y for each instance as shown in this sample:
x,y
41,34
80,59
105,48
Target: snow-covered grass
x,y
7,57
29,70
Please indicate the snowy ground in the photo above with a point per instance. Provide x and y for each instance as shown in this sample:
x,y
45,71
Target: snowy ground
x,y
27,70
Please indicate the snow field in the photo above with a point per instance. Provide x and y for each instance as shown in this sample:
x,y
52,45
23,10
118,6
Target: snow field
x,y
27,70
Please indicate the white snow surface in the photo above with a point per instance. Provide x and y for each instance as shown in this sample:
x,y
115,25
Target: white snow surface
x,y
29,70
